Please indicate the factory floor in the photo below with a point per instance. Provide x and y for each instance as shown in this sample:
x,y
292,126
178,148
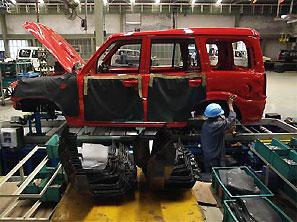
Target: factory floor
x,y
147,206
281,96
282,93
142,206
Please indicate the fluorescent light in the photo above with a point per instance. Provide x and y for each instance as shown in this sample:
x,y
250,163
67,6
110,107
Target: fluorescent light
x,y
13,1
105,2
218,2
292,21
132,2
157,1
41,1
193,2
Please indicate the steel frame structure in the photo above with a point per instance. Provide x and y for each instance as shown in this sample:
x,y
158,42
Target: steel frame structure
x,y
182,6
17,195
92,134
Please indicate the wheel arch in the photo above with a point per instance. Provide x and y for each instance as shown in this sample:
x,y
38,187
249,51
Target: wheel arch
x,y
220,98
35,104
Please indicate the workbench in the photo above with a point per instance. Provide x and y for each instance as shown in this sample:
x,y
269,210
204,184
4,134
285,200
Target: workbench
x,y
143,206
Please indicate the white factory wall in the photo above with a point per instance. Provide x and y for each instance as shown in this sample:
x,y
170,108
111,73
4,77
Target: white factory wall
x,y
264,24
164,21
272,48
156,22
205,21
61,24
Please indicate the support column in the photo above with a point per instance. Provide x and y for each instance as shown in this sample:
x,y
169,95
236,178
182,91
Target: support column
x,y
122,23
99,22
4,34
237,19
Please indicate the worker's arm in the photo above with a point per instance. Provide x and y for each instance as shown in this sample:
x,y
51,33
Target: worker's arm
x,y
230,120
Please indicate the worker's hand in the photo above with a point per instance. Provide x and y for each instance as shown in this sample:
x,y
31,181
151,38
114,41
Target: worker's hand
x,y
231,99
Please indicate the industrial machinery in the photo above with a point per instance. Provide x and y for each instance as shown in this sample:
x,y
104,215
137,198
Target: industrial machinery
x,y
12,137
172,166
140,98
42,187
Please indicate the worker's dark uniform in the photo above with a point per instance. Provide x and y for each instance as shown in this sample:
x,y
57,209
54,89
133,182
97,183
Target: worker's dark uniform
x,y
212,139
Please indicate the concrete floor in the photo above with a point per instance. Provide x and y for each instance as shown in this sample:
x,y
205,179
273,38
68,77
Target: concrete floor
x,y
282,93
8,111
281,96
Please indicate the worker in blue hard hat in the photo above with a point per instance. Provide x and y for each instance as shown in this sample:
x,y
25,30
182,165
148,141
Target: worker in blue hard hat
x,y
213,133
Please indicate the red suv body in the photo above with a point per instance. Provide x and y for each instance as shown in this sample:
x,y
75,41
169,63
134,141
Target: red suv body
x,y
150,79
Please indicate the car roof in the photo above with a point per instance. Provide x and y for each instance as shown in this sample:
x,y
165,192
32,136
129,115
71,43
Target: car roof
x,y
195,31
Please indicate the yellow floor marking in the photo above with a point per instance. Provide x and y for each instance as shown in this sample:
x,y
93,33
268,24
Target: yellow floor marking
x,y
143,206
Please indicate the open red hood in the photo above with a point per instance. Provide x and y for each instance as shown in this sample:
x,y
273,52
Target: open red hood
x,y
56,44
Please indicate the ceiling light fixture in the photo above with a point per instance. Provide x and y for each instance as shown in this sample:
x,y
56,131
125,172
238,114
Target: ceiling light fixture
x,y
157,2
218,2
105,2
41,2
193,2
13,1
292,21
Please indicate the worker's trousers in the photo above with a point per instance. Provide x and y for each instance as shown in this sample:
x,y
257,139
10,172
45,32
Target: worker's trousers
x,y
209,163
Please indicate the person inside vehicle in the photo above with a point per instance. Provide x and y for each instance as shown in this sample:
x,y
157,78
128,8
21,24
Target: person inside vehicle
x,y
213,133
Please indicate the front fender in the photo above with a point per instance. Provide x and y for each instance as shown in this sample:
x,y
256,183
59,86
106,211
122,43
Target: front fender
x,y
60,90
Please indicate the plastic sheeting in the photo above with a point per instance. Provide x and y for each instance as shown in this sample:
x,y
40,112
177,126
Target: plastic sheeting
x,y
93,156
110,100
61,90
172,100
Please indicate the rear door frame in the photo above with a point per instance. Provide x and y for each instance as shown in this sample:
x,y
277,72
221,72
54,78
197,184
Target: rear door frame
x,y
179,73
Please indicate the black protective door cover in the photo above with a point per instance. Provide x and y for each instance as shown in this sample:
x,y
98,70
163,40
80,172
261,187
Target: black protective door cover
x,y
171,99
109,100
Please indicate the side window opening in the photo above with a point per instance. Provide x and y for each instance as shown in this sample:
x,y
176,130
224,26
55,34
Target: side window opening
x,y
35,53
228,54
174,55
120,54
240,53
25,53
126,56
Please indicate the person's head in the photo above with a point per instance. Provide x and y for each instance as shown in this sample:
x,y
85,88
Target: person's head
x,y
213,110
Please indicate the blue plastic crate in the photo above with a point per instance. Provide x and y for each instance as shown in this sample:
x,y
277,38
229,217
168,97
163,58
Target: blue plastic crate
x,y
33,162
10,159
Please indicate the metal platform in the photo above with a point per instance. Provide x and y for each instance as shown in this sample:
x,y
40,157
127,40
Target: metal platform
x,y
49,128
265,129
18,206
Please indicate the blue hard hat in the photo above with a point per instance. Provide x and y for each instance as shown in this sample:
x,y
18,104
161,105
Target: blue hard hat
x,y
213,110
